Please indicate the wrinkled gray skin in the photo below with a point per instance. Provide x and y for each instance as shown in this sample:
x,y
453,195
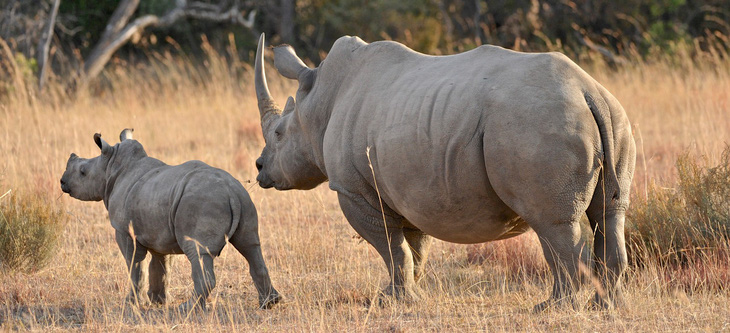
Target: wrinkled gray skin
x,y
189,209
466,148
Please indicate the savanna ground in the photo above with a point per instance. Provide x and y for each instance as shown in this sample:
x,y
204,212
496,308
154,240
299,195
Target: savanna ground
x,y
325,272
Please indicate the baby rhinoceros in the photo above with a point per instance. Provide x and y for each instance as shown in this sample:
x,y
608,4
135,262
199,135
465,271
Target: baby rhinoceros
x,y
191,208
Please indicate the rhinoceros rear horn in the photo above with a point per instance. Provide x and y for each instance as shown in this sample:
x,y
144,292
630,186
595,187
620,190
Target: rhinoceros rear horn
x,y
105,148
266,103
288,63
126,134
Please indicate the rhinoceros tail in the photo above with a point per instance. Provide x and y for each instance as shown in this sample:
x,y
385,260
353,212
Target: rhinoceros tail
x,y
602,116
235,205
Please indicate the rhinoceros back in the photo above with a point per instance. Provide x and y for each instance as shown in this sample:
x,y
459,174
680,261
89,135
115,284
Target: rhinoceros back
x,y
188,200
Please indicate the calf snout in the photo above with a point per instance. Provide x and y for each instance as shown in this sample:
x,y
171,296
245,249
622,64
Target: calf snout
x,y
64,186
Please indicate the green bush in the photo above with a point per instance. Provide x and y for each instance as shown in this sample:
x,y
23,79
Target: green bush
x,y
29,230
683,225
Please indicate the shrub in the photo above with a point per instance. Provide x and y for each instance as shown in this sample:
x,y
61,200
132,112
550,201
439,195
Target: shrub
x,y
29,230
686,227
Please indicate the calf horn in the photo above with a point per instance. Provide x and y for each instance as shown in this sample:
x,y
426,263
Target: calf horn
x,y
267,106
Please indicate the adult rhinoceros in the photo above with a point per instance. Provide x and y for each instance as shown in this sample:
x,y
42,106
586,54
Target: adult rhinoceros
x,y
466,148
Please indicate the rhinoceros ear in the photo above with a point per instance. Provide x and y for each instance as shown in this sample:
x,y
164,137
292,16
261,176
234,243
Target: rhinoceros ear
x,y
290,105
291,67
105,148
126,134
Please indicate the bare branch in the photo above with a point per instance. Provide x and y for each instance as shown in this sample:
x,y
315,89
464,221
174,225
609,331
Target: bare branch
x,y
93,67
115,37
119,18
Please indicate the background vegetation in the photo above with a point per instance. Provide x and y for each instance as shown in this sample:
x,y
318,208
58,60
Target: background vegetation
x,y
186,90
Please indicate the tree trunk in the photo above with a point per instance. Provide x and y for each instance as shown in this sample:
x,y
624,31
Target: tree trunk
x,y
45,45
286,23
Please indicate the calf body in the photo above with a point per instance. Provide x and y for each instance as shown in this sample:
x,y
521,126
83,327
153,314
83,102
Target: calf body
x,y
190,209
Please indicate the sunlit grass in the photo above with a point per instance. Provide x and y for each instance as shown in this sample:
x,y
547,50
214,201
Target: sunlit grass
x,y
182,111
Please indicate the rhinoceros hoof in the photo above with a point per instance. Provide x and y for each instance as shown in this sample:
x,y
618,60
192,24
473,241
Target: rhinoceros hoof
x,y
136,300
270,301
554,304
192,306
601,302
405,295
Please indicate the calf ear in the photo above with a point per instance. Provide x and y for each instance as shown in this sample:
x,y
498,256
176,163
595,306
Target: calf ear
x,y
126,134
105,148
291,67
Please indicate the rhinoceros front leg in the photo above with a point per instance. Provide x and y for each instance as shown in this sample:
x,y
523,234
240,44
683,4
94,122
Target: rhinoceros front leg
x,y
133,254
389,240
159,277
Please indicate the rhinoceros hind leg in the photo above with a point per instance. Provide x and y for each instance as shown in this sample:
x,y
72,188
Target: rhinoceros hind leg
x,y
159,277
201,264
562,247
420,244
248,244
609,252
392,247
134,254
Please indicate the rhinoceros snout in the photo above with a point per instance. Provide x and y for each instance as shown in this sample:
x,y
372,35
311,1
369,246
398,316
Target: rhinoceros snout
x,y
264,182
64,186
259,164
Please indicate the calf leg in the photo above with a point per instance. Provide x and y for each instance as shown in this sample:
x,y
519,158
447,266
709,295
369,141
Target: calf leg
x,y
133,254
390,243
248,244
159,277
201,264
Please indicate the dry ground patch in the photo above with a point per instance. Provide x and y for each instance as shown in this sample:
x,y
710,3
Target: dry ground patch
x,y
325,272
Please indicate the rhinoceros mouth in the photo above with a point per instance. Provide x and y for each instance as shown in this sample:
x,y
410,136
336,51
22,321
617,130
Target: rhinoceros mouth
x,y
265,182
64,187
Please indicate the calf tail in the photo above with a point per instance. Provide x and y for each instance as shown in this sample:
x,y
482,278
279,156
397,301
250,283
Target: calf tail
x,y
235,206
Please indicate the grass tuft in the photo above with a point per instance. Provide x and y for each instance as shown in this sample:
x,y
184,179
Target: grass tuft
x,y
686,229
29,230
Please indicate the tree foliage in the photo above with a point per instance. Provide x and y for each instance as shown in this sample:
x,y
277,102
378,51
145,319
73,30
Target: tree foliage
x,y
617,29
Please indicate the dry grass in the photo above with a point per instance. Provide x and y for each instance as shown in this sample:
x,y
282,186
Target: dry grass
x,y
326,273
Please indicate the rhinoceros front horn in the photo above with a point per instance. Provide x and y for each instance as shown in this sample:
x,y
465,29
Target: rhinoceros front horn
x,y
267,107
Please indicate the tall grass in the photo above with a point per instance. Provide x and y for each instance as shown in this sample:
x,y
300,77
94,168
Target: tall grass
x,y
686,229
29,229
183,110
